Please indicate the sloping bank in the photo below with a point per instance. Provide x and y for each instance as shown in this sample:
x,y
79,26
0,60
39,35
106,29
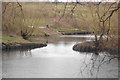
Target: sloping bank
x,y
90,47
17,42
22,46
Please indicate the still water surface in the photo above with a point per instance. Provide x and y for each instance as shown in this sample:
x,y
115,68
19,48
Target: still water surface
x,y
58,60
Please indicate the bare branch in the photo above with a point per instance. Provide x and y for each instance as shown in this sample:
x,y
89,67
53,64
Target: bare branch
x,y
63,11
72,10
20,8
107,10
112,12
5,7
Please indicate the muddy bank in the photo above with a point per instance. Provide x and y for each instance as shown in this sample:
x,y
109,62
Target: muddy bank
x,y
90,47
22,46
84,47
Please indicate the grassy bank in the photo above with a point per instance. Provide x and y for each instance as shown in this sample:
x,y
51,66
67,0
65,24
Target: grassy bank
x,y
16,42
18,39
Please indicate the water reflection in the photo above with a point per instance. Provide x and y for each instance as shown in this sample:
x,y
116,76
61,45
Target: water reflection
x,y
58,60
98,65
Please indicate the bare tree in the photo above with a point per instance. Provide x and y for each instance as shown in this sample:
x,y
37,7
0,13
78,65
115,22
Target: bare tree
x,y
104,18
13,12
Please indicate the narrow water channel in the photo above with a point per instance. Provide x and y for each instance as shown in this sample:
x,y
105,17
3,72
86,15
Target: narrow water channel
x,y
58,60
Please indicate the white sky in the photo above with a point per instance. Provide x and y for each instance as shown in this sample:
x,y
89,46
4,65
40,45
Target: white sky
x,y
59,0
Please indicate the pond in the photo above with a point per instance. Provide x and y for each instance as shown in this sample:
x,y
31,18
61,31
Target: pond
x,y
58,60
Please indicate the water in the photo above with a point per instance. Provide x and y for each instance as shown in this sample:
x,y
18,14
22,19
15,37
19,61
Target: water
x,y
58,60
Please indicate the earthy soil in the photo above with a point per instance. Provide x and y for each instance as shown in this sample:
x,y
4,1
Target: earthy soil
x,y
90,47
22,46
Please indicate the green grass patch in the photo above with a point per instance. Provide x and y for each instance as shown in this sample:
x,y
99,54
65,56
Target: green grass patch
x,y
18,39
69,30
84,15
7,38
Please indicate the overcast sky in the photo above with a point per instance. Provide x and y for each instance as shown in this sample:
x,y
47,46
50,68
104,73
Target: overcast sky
x,y
59,0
